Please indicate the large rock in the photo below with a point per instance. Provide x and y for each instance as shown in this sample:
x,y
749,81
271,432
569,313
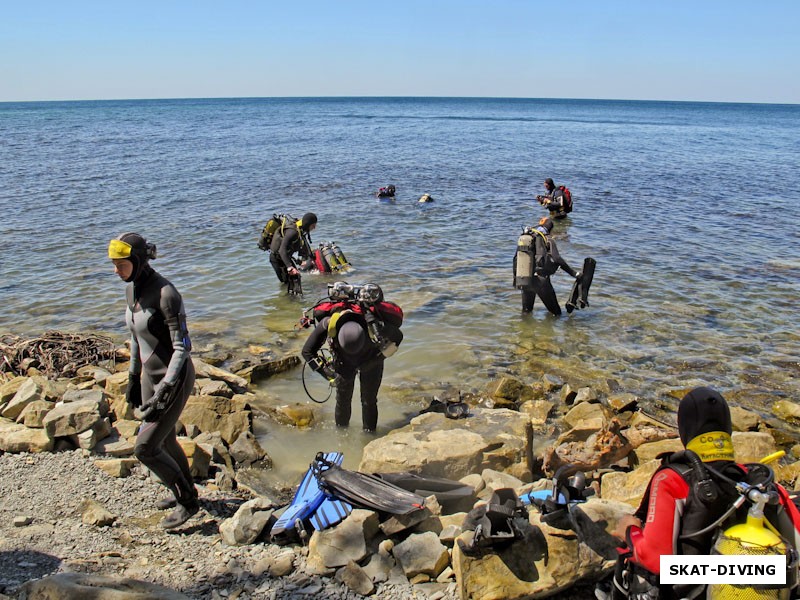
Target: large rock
x,y
10,388
421,553
548,561
30,391
268,368
248,523
628,487
599,450
229,416
33,414
431,444
199,459
349,540
202,369
85,586
752,446
15,437
75,417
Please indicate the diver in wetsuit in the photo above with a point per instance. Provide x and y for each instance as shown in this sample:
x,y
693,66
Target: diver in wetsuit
x,y
161,374
533,269
553,199
288,240
353,352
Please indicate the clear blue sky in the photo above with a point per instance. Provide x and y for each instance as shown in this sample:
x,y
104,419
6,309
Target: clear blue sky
x,y
707,50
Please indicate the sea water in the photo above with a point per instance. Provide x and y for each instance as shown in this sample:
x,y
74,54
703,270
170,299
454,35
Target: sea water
x,y
690,209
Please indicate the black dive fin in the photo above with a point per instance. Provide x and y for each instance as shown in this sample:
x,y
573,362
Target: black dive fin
x,y
451,495
579,297
367,491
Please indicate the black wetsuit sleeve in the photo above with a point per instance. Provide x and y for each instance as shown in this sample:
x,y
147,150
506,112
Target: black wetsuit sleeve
x,y
171,306
291,239
561,262
316,340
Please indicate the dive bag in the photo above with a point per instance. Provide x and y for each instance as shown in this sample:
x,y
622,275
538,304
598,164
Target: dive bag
x,y
566,203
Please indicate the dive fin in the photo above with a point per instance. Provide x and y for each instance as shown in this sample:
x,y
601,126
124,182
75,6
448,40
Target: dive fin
x,y
453,496
366,491
579,296
307,500
331,512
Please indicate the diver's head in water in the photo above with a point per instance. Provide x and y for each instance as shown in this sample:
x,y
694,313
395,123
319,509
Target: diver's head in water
x,y
130,254
546,224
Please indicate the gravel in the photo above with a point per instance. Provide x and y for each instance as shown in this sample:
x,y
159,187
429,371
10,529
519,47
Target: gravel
x,y
42,532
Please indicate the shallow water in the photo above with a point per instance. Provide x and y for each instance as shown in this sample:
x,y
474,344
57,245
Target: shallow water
x,y
691,211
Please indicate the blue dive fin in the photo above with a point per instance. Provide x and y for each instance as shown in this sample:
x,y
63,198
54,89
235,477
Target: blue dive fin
x,y
331,512
307,500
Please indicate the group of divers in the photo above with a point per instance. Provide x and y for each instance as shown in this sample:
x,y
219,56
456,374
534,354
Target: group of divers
x,y
699,502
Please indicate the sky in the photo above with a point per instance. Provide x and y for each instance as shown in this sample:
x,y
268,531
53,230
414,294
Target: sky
x,y
688,50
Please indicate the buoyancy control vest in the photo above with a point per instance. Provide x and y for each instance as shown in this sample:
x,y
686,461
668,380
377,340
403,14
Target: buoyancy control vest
x,y
383,320
528,263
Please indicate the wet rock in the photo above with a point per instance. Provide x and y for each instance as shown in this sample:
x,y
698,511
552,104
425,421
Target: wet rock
x,y
433,445
551,382
783,409
567,395
585,394
744,420
268,368
622,402
584,411
537,410
295,415
600,450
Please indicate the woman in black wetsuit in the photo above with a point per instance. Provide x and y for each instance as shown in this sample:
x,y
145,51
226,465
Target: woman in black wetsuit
x,y
161,374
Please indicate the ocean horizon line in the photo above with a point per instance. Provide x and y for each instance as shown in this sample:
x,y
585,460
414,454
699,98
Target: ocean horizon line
x,y
395,98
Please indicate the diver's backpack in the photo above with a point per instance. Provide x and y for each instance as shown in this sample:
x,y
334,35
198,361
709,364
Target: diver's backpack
x,y
525,264
384,327
566,203
277,222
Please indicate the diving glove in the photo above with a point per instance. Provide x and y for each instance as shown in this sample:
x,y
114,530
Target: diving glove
x,y
153,408
133,392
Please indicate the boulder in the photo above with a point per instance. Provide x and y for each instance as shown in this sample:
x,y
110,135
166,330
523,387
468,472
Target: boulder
x,y
585,394
31,390
248,523
74,417
94,513
349,540
355,578
585,410
650,450
268,368
296,415
628,487
15,437
33,414
230,417
744,420
434,445
199,459
785,410
116,384
246,451
538,410
422,553
752,446
9,389
202,369
215,388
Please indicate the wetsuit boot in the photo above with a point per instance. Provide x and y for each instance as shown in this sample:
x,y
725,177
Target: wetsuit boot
x,y
166,503
187,505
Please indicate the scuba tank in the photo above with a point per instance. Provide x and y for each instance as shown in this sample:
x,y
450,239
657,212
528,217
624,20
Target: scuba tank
x,y
341,259
329,257
320,262
524,260
754,537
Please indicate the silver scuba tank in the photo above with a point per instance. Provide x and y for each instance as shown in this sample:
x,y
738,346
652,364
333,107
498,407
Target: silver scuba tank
x,y
523,274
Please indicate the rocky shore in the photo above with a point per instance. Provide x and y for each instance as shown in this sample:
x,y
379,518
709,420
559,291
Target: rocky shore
x,y
78,517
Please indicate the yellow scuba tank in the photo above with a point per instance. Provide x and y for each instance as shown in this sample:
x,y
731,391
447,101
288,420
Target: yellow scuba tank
x,y
754,537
